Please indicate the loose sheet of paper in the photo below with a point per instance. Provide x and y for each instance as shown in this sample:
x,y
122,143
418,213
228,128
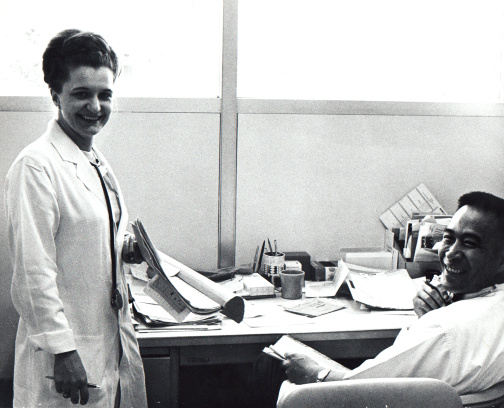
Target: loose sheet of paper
x,y
326,288
315,307
267,315
392,289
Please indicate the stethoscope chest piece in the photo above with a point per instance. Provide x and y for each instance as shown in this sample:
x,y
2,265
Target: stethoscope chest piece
x,y
117,300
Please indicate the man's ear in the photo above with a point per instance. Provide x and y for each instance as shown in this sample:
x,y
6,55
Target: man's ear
x,y
55,98
501,260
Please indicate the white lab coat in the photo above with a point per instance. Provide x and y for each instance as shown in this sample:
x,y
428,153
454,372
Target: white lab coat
x,y
460,344
58,229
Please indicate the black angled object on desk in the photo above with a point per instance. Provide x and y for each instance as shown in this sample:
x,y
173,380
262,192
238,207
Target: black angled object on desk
x,y
259,262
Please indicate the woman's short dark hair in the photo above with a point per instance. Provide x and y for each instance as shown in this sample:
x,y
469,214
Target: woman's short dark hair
x,y
75,48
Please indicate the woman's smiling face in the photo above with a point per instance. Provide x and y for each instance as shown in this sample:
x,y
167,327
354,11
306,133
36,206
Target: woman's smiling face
x,y
85,103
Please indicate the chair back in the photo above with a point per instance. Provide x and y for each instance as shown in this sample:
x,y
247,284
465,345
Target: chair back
x,y
374,393
492,397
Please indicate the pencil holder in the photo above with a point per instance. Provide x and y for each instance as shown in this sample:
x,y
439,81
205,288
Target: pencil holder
x,y
273,262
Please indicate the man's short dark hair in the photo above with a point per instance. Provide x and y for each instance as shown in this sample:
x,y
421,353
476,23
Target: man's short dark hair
x,y
487,203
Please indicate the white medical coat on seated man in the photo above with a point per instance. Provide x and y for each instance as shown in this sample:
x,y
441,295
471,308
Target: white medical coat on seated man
x,y
461,344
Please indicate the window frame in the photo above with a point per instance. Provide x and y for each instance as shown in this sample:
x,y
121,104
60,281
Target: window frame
x,y
229,106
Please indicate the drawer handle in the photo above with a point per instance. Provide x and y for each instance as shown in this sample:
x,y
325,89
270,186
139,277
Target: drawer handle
x,y
198,360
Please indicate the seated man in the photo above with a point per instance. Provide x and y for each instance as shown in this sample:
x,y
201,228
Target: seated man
x,y
459,341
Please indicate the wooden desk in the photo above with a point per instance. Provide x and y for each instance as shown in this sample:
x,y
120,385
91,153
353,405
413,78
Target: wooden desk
x,y
347,333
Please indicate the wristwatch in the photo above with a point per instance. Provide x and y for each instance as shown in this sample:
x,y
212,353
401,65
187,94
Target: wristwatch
x,y
322,375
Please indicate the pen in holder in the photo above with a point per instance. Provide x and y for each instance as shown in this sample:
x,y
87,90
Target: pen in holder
x,y
273,262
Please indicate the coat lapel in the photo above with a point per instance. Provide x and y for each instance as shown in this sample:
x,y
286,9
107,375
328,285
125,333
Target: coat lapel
x,y
70,152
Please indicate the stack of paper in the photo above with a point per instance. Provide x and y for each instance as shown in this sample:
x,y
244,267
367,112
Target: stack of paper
x,y
150,314
256,286
252,286
386,289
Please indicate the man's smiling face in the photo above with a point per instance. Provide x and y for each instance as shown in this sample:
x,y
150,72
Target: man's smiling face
x,y
471,252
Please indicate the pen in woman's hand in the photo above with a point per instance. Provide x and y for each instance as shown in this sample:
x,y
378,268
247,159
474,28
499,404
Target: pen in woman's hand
x,y
90,385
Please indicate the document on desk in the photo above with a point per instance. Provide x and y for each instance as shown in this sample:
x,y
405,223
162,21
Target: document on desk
x,y
288,344
179,327
315,307
378,288
271,315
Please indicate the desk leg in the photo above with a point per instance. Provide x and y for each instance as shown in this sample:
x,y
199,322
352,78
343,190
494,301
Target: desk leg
x,y
174,376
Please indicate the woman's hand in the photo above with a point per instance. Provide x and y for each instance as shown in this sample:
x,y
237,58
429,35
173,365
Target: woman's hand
x,y
131,251
70,377
301,369
430,297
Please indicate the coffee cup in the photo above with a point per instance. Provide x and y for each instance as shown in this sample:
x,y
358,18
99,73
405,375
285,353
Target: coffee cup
x,y
292,284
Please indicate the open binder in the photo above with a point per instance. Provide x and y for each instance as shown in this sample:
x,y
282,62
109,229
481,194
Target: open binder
x,y
174,285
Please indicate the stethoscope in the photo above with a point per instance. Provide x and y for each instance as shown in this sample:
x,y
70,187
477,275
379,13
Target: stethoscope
x,y
116,300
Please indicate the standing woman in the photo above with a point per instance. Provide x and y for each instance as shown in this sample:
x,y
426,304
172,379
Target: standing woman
x,y
67,232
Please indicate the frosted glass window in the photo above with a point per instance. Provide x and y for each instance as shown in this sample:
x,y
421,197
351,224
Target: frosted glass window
x,y
168,48
387,50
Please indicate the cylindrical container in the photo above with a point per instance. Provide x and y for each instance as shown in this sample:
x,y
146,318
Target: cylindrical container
x,y
292,284
273,262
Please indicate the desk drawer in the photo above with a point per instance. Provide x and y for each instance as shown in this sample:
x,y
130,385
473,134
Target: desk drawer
x,y
219,354
157,380
342,349
247,353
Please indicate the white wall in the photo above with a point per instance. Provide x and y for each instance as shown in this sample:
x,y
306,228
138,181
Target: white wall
x,y
168,168
318,183
313,182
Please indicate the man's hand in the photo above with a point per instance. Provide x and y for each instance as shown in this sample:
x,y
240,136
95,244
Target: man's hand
x,y
430,297
301,369
70,377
